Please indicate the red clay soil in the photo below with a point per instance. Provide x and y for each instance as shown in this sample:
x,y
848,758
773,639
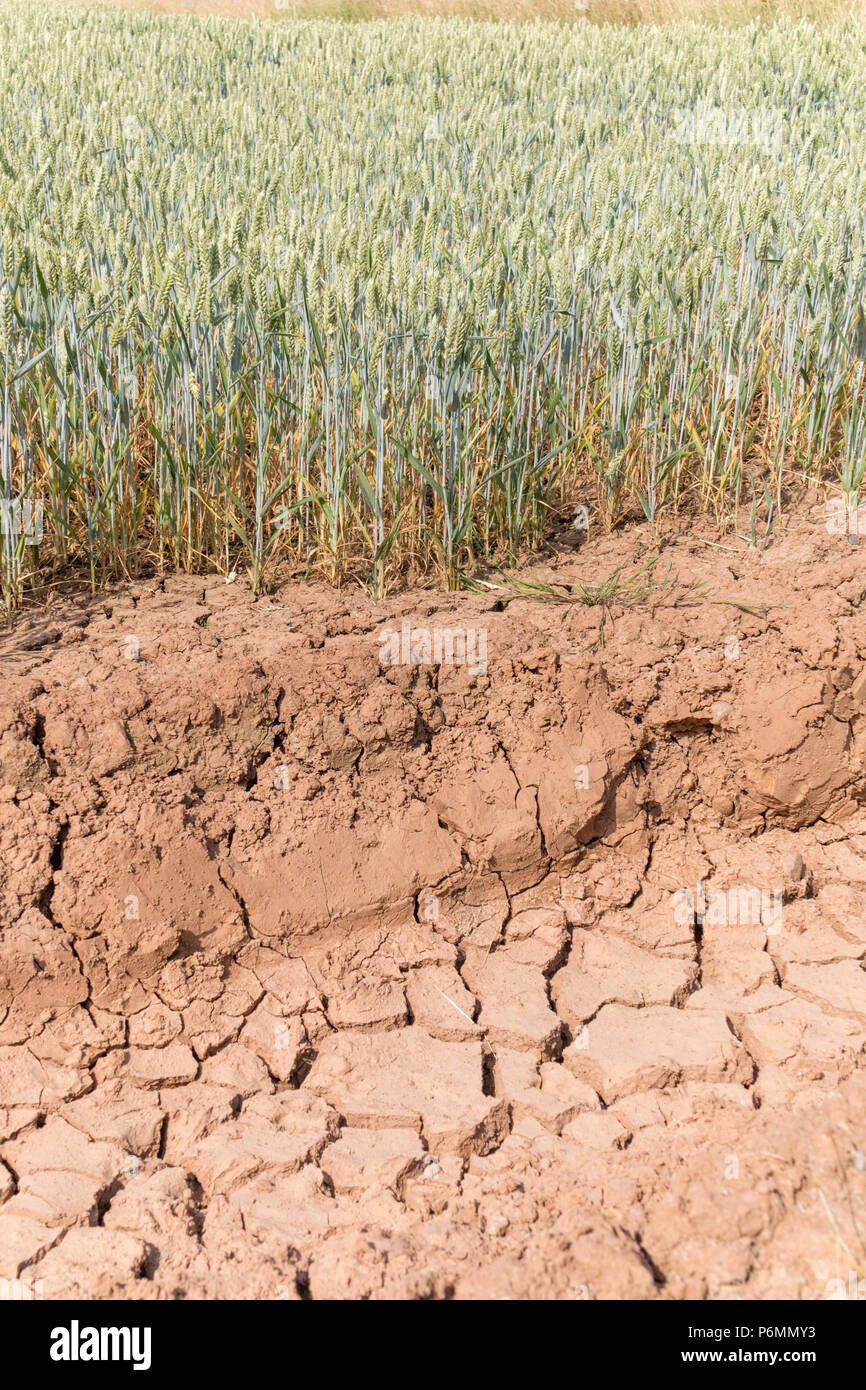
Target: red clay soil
x,y
327,978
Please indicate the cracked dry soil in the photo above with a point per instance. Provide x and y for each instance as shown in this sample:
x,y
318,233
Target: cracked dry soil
x,y
326,979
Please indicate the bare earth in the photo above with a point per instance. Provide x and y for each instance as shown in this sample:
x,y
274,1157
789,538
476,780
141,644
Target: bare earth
x,y
321,978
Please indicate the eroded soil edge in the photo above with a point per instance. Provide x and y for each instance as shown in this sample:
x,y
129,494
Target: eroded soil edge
x,y
323,978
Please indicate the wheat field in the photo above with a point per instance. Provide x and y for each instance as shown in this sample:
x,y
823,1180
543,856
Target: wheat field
x,y
732,12
376,300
